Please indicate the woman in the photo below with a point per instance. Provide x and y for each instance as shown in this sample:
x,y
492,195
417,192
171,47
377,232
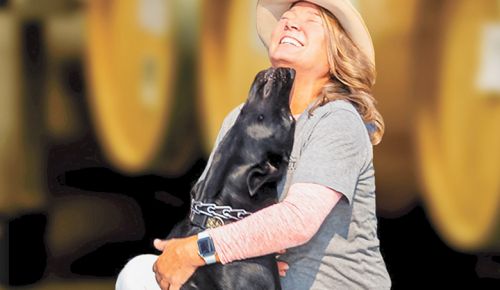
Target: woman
x,y
326,218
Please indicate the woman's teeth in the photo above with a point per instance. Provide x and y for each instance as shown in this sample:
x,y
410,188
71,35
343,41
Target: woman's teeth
x,y
292,41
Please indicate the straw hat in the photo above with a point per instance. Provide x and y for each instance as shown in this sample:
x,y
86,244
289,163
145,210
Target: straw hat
x,y
270,11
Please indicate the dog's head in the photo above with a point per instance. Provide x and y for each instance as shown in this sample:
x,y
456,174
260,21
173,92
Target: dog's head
x,y
268,126
254,154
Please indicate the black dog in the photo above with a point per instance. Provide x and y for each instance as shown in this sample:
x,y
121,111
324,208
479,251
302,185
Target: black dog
x,y
242,178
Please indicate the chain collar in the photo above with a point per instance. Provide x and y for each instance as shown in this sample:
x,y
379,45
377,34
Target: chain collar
x,y
210,215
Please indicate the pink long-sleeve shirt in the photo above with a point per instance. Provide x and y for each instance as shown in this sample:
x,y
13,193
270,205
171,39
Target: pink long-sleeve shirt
x,y
290,223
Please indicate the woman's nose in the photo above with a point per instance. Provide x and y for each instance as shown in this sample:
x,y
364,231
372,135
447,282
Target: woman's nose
x,y
292,25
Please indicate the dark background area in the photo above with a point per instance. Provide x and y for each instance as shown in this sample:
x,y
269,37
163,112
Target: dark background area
x,y
415,256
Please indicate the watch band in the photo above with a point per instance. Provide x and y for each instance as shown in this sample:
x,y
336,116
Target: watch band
x,y
209,258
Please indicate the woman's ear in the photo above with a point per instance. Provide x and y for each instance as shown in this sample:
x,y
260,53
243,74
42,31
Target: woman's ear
x,y
260,175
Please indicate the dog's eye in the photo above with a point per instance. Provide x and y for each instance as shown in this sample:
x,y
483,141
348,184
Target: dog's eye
x,y
260,117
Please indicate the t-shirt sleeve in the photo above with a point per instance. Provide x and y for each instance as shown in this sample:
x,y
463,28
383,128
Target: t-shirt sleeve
x,y
334,154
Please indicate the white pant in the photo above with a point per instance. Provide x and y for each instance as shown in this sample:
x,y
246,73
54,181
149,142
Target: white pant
x,y
138,274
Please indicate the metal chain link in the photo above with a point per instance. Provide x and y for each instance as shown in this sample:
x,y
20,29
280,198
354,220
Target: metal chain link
x,y
220,211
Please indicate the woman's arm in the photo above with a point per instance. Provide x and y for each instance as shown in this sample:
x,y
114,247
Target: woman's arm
x,y
334,155
288,224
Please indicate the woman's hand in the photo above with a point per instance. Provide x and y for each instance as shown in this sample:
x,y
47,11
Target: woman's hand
x,y
177,263
282,266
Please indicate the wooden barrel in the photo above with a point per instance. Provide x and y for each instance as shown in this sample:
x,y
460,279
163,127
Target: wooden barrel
x,y
231,54
392,25
10,103
64,38
459,130
21,139
131,57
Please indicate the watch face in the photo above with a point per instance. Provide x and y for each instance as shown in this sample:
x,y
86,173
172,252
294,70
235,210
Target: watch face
x,y
206,246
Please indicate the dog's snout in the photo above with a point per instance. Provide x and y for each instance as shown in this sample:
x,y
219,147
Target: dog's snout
x,y
285,73
271,73
280,74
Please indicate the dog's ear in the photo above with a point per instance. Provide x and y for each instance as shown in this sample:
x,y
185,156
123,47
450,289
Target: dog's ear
x,y
259,175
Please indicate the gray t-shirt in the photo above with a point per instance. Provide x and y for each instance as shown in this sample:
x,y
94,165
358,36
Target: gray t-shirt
x,y
332,148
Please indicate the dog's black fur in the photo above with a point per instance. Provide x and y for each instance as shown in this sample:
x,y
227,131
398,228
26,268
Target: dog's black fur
x,y
249,161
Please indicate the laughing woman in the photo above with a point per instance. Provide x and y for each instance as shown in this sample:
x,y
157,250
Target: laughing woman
x,y
326,219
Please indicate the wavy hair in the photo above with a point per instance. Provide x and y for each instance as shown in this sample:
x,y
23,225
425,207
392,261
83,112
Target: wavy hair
x,y
352,76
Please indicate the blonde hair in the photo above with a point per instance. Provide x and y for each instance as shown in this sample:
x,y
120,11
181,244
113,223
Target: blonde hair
x,y
352,76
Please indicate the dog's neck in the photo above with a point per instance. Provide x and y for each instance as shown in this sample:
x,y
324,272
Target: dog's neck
x,y
211,215
219,186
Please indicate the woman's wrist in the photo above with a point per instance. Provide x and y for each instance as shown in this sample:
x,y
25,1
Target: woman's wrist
x,y
191,251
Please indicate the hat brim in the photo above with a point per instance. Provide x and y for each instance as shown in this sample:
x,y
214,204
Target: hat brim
x,y
269,12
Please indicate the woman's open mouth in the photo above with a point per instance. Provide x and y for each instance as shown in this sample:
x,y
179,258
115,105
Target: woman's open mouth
x,y
291,41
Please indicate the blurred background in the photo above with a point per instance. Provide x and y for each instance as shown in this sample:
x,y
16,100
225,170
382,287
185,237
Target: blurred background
x,y
109,109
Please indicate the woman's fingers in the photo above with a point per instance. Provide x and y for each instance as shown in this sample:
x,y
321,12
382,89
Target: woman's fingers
x,y
164,286
160,244
158,278
157,275
175,287
282,268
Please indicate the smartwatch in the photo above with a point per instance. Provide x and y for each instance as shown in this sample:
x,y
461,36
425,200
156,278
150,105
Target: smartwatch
x,y
206,248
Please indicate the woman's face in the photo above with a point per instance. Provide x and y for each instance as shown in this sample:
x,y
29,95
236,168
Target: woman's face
x,y
299,41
